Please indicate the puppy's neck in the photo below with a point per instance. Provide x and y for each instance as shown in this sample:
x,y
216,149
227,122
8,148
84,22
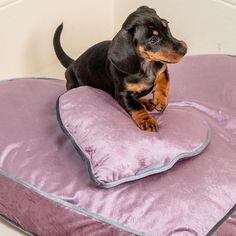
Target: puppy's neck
x,y
152,67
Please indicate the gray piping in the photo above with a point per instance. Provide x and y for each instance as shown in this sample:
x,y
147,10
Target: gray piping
x,y
63,202
222,221
71,206
181,156
141,174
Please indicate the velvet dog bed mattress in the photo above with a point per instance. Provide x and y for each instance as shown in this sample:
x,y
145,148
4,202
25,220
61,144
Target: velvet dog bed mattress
x,y
45,188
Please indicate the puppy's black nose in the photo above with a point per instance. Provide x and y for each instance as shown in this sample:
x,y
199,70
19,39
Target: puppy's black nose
x,y
182,50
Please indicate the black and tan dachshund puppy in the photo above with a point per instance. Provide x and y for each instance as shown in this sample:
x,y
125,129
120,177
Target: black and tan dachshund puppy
x,y
130,66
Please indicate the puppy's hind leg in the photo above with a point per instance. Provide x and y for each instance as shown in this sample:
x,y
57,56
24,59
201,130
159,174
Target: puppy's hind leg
x,y
71,81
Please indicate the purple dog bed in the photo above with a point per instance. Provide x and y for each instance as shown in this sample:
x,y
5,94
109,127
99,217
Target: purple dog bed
x,y
45,188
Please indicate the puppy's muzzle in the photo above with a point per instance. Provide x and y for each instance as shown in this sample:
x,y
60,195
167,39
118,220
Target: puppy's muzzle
x,y
182,48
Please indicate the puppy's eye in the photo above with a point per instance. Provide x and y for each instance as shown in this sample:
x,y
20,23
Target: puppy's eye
x,y
154,39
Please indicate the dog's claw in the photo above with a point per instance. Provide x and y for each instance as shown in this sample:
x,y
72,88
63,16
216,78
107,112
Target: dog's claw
x,y
148,124
145,121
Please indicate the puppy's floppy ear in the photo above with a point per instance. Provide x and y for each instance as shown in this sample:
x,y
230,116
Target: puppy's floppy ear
x,y
122,54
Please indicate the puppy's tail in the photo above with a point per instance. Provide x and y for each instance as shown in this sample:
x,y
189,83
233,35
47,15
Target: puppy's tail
x,y
61,55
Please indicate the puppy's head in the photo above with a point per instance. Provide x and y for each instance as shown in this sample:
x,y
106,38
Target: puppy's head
x,y
144,36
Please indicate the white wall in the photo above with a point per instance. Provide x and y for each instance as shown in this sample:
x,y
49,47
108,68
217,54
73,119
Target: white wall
x,y
208,26
27,28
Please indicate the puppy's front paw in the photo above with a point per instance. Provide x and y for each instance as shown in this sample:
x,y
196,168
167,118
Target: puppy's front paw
x,y
145,121
162,102
147,103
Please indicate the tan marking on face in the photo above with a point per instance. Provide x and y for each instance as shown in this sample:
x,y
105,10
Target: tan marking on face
x,y
155,32
137,87
164,55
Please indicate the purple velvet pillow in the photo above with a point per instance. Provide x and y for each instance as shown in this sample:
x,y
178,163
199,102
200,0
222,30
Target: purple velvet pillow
x,y
114,149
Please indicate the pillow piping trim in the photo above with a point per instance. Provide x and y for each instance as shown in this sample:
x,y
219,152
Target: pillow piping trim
x,y
71,206
151,170
58,200
226,217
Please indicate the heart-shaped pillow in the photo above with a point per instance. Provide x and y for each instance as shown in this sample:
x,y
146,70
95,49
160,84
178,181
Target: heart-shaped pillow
x,y
114,149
